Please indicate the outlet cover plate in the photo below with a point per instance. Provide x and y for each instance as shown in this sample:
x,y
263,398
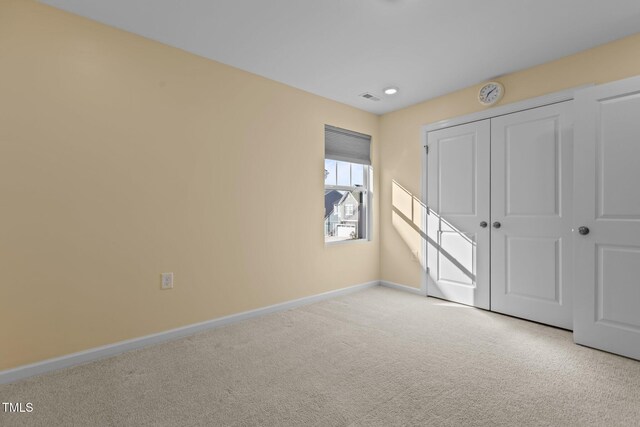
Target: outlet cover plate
x,y
166,281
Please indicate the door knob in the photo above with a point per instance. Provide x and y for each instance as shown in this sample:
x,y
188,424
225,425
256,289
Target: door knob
x,y
497,225
583,230
483,224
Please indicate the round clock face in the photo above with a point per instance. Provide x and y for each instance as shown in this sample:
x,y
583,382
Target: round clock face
x,y
490,93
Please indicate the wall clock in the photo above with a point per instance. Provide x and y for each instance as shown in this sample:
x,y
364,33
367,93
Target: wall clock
x,y
490,93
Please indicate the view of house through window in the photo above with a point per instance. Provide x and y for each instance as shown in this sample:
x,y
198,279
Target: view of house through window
x,y
345,200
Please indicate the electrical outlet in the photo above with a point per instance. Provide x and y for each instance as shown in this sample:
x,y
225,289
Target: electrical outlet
x,y
167,281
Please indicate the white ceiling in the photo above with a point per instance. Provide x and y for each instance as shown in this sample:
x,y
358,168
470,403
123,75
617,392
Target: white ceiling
x,y
341,48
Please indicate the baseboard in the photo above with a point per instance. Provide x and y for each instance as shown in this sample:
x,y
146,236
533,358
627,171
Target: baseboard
x,y
102,352
403,288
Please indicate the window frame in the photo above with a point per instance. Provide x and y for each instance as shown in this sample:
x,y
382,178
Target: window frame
x,y
367,188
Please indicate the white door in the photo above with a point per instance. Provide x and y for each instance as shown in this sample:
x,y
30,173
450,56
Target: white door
x,y
531,215
607,204
458,202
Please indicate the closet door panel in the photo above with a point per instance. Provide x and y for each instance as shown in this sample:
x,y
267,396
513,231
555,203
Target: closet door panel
x,y
458,201
607,203
531,186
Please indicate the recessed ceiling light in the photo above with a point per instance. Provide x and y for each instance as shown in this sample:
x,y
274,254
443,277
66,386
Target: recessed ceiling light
x,y
390,90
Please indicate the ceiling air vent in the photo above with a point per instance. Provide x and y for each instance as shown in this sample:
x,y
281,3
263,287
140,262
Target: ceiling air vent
x,y
370,97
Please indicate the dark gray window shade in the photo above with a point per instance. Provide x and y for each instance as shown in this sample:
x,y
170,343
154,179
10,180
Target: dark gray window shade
x,y
346,145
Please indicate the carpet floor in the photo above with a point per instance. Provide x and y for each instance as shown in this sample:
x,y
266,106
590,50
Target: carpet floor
x,y
378,357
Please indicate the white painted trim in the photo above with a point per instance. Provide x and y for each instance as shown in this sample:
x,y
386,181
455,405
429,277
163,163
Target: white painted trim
x,y
527,104
404,288
347,241
105,351
423,221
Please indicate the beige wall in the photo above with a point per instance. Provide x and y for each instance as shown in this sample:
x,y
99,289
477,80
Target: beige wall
x,y
121,158
400,155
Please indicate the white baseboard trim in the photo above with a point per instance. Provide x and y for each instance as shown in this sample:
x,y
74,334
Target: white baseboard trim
x,y
403,288
105,351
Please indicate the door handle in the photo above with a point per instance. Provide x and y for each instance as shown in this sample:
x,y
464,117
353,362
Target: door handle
x,y
583,230
483,224
497,224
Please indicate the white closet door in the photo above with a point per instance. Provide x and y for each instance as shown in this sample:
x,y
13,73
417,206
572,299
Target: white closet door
x,y
531,215
458,201
607,202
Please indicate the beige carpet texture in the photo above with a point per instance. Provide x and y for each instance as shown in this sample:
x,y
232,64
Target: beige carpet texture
x,y
379,357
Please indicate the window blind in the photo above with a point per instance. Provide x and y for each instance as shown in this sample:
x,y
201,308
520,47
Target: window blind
x,y
346,145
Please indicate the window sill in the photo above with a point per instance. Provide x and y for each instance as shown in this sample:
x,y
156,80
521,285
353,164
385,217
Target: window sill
x,y
347,242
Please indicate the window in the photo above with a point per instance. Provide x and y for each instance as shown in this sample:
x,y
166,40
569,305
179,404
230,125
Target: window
x,y
347,190
348,210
